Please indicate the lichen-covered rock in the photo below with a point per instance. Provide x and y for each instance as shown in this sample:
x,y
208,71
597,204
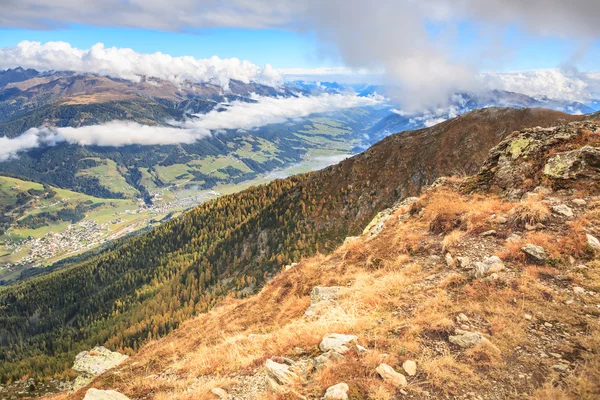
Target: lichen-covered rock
x,y
96,394
534,252
562,209
89,364
580,163
337,392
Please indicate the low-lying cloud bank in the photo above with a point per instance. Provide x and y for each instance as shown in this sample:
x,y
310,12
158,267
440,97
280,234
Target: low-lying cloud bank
x,y
237,115
127,64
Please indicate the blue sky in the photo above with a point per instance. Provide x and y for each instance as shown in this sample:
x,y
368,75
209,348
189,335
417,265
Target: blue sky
x,y
288,49
282,49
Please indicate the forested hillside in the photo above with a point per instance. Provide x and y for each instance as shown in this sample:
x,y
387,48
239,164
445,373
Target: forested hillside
x,y
150,284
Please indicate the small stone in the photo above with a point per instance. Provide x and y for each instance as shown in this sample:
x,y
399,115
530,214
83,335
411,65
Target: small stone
x,y
390,375
466,339
410,367
560,367
488,266
220,393
279,374
337,342
320,361
489,233
569,302
501,220
579,202
581,267
593,242
449,260
96,394
547,324
555,355
578,290
536,253
562,209
463,262
299,351
361,349
534,227
462,318
337,392
527,317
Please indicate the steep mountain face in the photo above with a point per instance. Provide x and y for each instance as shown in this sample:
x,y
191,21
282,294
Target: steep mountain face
x,y
483,287
147,286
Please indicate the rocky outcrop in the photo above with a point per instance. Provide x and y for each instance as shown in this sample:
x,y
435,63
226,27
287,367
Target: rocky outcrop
x,y
89,364
279,374
96,394
580,163
378,223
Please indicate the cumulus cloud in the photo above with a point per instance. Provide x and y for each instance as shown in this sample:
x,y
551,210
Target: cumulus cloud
x,y
127,64
236,115
394,35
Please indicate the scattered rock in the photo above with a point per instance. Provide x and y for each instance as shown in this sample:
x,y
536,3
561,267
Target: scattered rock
x,y
560,367
501,220
449,260
593,242
390,375
489,233
536,253
290,266
320,361
564,210
579,202
527,317
96,394
488,266
337,392
320,296
279,374
463,262
89,364
466,339
535,227
337,342
410,367
361,349
462,318
578,290
220,393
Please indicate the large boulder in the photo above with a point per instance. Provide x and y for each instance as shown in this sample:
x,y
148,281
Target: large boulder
x,y
96,394
89,364
580,163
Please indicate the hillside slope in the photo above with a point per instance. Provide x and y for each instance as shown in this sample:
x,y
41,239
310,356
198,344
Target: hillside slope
x,y
461,293
149,285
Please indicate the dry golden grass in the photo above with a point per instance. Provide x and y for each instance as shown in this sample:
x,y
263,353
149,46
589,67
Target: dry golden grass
x,y
530,211
452,239
388,304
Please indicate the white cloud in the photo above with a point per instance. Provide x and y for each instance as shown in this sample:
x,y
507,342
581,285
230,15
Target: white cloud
x,y
237,115
127,64
551,83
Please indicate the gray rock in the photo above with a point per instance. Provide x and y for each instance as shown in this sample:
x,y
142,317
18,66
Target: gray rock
x,y
337,392
89,364
564,210
281,374
466,339
593,242
578,290
449,260
579,202
488,266
337,342
462,318
580,163
320,361
463,262
536,253
489,233
390,375
96,394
